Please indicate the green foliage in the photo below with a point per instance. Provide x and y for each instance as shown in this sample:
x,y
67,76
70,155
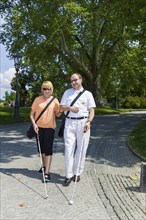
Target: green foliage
x,y
134,102
10,96
2,103
103,40
142,102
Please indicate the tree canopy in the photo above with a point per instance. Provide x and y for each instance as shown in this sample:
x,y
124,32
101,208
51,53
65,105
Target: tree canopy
x,y
104,40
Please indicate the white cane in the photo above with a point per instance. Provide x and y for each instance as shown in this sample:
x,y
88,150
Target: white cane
x,y
79,161
38,141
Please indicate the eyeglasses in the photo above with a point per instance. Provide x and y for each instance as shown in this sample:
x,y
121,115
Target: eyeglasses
x,y
46,89
74,80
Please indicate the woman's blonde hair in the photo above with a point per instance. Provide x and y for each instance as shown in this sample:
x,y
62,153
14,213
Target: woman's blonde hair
x,y
47,85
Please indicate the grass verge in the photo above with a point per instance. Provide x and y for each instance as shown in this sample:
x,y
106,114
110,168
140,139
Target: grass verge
x,y
137,139
103,111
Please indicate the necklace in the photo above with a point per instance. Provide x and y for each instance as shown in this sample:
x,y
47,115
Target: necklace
x,y
45,98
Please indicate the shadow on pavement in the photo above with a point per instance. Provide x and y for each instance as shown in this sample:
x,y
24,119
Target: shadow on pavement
x,y
107,143
33,174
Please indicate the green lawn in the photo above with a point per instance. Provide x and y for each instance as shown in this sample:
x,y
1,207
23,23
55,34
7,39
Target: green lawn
x,y
103,111
7,115
137,138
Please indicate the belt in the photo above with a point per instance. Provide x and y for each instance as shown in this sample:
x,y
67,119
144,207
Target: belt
x,y
77,118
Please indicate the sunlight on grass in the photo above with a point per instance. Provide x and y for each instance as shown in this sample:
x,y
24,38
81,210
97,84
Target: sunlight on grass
x,y
7,115
137,139
99,111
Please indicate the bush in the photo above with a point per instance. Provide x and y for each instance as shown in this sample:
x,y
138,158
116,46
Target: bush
x,y
134,102
143,102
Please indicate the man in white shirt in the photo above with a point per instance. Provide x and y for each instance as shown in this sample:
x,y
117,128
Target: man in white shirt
x,y
77,127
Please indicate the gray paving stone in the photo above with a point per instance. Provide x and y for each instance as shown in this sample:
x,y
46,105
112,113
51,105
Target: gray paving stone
x,y
107,189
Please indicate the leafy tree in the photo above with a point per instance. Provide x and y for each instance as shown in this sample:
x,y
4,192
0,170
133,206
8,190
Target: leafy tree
x,y
9,96
87,36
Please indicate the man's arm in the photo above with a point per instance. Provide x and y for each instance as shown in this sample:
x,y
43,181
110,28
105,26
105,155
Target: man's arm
x,y
89,120
69,108
91,115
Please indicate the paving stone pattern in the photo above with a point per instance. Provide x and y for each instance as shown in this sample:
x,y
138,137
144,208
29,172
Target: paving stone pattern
x,y
109,186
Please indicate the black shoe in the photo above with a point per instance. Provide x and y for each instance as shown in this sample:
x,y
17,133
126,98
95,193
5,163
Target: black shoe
x,y
67,181
47,178
77,179
40,170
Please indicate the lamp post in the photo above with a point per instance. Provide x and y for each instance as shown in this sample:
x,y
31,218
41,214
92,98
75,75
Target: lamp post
x,y
17,64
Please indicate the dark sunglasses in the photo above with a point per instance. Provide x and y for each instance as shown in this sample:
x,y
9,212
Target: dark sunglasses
x,y
74,80
46,89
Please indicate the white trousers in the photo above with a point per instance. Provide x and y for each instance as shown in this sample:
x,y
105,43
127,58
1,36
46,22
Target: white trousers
x,y
76,144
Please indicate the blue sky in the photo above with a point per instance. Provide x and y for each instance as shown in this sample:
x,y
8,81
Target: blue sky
x,y
7,71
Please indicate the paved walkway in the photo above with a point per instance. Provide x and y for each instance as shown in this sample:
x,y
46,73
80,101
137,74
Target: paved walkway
x,y
109,186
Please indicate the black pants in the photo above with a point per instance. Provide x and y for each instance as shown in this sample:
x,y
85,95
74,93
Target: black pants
x,y
46,138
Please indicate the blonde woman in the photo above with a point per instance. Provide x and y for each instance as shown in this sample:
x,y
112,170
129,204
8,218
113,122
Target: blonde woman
x,y
45,126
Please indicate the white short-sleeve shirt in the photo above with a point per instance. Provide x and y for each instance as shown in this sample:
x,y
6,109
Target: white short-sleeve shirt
x,y
84,102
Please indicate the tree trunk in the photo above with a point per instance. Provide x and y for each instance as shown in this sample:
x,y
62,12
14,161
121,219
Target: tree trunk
x,y
94,87
97,90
